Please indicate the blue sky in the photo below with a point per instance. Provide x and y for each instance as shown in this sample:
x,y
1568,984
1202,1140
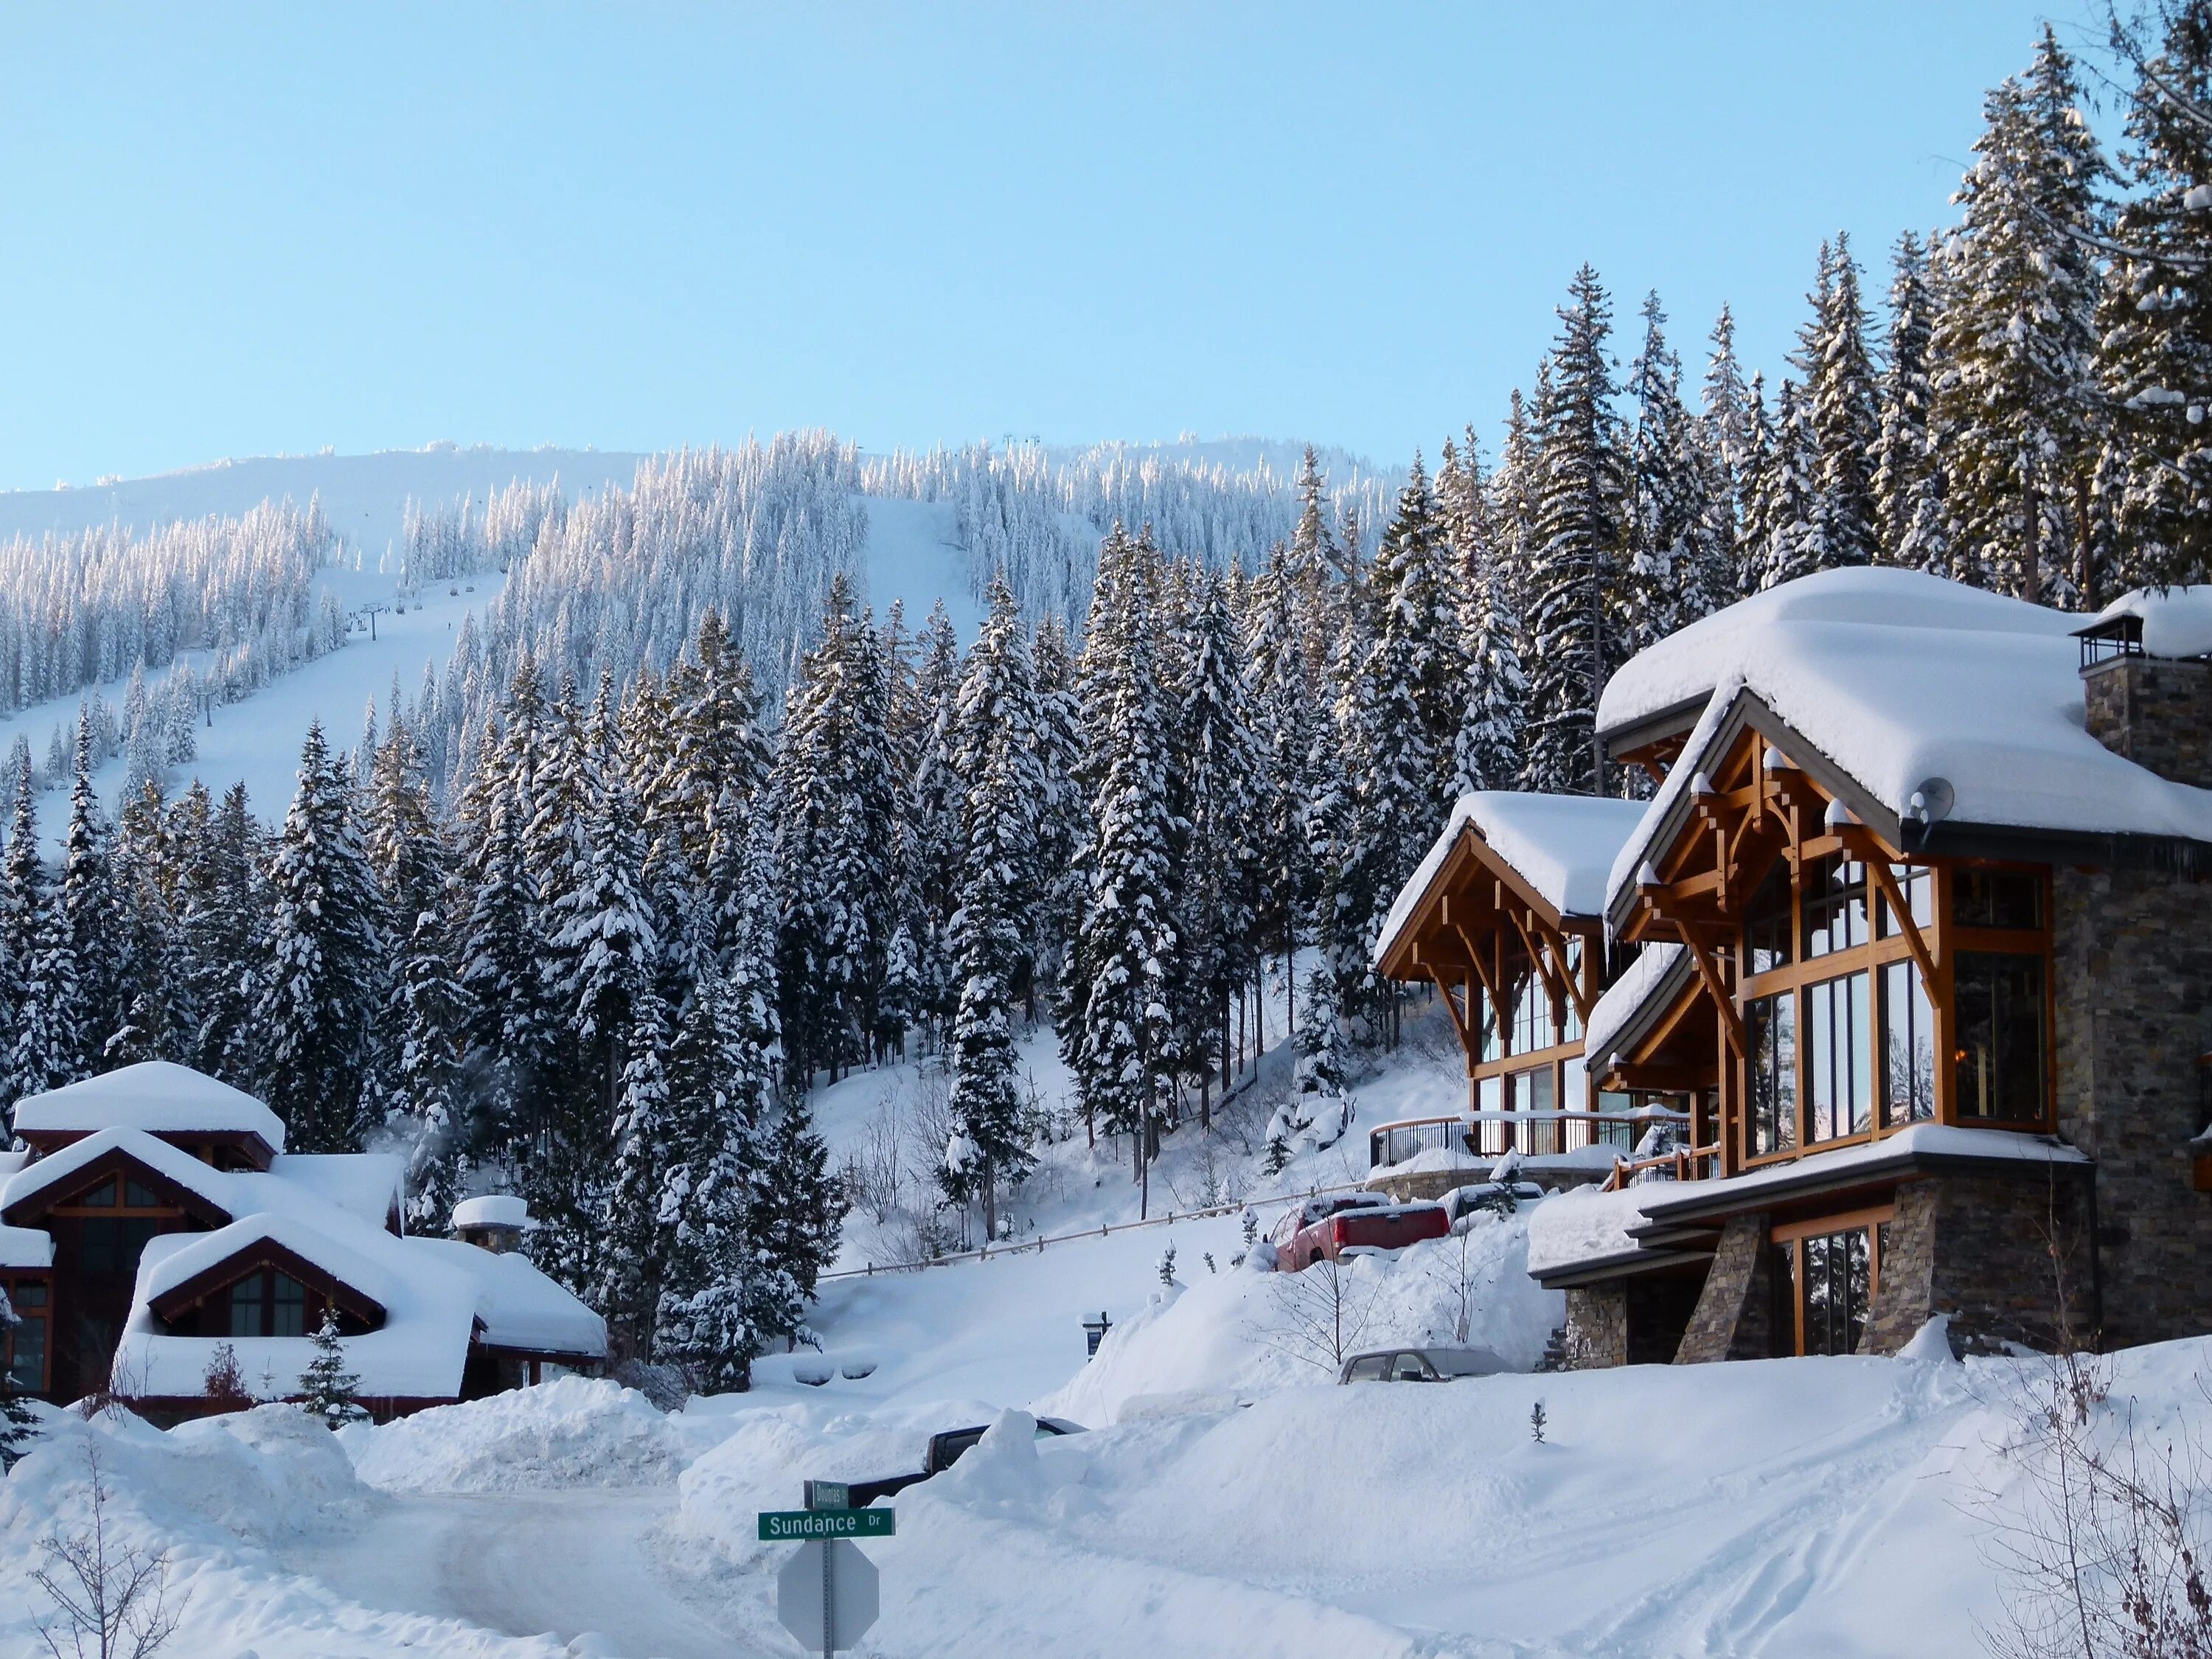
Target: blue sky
x,y
245,229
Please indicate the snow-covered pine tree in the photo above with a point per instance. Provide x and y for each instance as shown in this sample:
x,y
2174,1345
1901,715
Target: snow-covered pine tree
x,y
1725,419
1575,569
935,837
1060,826
94,921
1843,417
326,961
834,786
1667,513
1125,1057
1286,718
1486,754
222,917
1905,455
417,1081
994,753
16,1423
1215,788
1787,505
2016,407
153,1021
27,1044
2156,316
328,1391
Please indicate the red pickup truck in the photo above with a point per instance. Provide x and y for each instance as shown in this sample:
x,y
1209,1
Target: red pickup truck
x,y
1375,1227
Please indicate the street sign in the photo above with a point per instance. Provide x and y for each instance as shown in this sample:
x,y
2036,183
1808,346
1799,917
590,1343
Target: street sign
x,y
792,1526
826,1595
828,1495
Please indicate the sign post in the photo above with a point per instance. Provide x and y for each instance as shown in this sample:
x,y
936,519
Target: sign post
x,y
827,1593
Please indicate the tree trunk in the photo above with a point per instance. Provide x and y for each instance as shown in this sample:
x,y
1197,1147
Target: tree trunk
x,y
2087,579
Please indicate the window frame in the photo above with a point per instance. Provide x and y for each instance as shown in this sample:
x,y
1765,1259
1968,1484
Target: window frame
x,y
43,1317
1884,946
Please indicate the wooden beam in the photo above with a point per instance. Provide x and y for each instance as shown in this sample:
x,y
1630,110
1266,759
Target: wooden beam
x,y
1710,972
1538,957
1556,942
1458,1022
1884,879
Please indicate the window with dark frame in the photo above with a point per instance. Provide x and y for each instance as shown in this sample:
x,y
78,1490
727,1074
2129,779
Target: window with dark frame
x,y
1835,906
1768,923
1839,1092
1917,885
1908,1046
1996,898
1771,1022
25,1341
1836,1284
268,1301
1998,1070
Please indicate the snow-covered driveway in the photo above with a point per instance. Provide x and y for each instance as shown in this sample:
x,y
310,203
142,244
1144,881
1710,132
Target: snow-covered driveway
x,y
529,1563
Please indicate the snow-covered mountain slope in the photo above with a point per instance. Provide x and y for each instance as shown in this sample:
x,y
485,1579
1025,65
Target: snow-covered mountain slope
x,y
363,496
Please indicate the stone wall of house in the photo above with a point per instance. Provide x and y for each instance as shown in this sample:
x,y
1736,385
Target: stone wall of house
x,y
2155,712
2133,997
1734,1317
2006,1258
1597,1326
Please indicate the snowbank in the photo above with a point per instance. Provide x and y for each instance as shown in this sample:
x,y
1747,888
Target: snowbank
x,y
573,1432
1236,1333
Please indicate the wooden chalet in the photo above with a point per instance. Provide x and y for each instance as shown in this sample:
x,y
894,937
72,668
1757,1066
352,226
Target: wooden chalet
x,y
1505,919
155,1218
1916,930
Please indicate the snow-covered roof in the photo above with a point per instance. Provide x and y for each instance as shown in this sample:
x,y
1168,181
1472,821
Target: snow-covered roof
x,y
12,1161
1916,1141
1583,1225
1562,846
365,1185
1899,678
203,1251
492,1210
2176,622
159,1155
26,1247
1624,999
155,1095
520,1306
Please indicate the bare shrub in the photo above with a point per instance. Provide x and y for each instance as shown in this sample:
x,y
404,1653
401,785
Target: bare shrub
x,y
1320,1314
225,1384
111,1601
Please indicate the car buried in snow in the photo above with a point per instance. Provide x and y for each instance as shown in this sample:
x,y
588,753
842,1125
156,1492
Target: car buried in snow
x,y
945,1449
1426,1363
1362,1228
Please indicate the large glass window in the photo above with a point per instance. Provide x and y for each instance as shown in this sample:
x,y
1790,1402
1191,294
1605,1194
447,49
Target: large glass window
x,y
1835,906
102,1197
246,1305
1532,1014
1840,1089
287,1313
1997,1069
1771,1022
1837,1281
140,1196
112,1245
1492,1048
24,1342
1908,1046
1996,898
1532,1090
1917,882
1571,1017
1767,924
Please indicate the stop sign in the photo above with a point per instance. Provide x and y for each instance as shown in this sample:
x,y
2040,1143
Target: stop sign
x,y
848,1594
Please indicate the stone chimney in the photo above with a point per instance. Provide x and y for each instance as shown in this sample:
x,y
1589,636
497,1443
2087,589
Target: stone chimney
x,y
494,1223
2147,693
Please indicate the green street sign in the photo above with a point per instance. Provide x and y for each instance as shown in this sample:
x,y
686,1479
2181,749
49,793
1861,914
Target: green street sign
x,y
796,1526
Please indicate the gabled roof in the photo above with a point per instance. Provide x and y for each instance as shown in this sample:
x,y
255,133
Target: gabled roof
x,y
1559,847
201,1261
1650,983
1934,709
203,1190
154,1095
367,1185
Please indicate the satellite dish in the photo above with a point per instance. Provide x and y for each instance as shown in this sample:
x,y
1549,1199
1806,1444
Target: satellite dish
x,y
1932,801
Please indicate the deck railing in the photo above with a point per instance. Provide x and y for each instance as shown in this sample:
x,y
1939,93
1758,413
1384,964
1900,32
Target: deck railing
x,y
1490,1134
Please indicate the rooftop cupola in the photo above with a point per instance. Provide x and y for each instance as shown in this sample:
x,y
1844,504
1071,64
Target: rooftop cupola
x,y
2147,681
495,1222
